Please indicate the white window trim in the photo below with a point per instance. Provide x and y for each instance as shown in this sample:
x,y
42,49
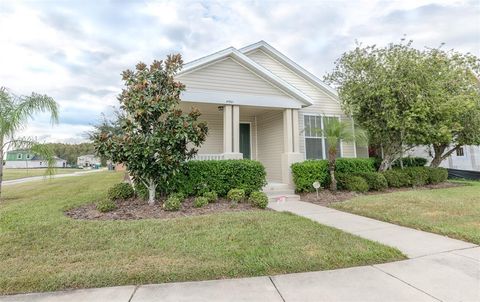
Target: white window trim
x,y
19,156
324,155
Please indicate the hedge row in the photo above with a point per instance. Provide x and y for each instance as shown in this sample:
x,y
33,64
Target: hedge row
x,y
407,162
307,172
218,176
415,176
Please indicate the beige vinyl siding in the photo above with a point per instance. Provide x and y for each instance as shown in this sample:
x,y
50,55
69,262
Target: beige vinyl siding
x,y
214,142
270,143
323,104
230,76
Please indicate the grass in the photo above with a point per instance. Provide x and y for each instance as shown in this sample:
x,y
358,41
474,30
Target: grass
x,y
454,212
43,250
10,174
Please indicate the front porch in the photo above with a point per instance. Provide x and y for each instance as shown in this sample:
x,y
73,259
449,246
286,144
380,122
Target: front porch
x,y
269,135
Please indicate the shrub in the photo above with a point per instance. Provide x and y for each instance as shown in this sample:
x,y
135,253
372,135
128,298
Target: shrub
x,y
397,178
418,175
259,199
198,177
411,162
121,191
211,196
106,205
178,195
351,182
200,202
376,181
437,175
307,172
236,195
172,203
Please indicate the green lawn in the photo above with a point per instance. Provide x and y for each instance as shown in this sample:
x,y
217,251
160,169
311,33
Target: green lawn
x,y
454,212
9,174
43,250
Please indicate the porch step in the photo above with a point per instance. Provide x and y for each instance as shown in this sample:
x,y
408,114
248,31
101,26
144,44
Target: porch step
x,y
274,186
283,197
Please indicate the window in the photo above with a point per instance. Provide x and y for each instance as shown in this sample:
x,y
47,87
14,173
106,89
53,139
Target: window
x,y
19,156
28,156
460,152
316,146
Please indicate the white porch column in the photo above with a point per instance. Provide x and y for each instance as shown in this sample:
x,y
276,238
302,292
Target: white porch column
x,y
291,144
231,132
236,128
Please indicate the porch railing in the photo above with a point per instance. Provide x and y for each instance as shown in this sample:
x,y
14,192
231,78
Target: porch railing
x,y
208,157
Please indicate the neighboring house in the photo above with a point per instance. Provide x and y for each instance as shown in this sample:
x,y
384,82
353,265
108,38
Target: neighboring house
x,y
21,159
466,158
88,160
261,105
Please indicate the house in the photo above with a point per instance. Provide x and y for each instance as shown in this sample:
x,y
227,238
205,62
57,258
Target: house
x,y
89,160
21,159
261,105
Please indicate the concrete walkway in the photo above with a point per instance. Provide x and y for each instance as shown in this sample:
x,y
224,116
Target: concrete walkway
x,y
440,269
35,178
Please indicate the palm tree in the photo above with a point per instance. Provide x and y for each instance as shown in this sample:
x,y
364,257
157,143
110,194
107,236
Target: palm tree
x,y
336,131
15,111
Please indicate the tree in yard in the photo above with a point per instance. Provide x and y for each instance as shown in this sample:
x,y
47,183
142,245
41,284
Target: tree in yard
x,y
454,104
405,97
336,131
15,112
156,137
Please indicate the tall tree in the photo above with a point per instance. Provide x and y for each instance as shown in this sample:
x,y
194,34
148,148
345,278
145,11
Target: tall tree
x,y
336,131
156,137
392,92
15,112
453,118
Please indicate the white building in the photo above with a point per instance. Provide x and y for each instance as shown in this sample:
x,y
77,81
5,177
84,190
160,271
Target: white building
x,y
88,160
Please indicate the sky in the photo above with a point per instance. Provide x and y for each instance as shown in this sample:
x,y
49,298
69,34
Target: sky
x,y
75,51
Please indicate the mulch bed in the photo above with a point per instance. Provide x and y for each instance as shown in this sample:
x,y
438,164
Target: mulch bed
x,y
326,197
139,209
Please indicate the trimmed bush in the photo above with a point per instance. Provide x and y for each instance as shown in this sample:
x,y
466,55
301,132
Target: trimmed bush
x,y
351,182
410,162
211,196
198,177
236,195
121,191
200,202
418,175
397,178
307,172
437,175
376,181
172,203
259,199
178,195
106,205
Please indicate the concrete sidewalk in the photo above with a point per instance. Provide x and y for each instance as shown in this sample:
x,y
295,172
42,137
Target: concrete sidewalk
x,y
440,269
35,178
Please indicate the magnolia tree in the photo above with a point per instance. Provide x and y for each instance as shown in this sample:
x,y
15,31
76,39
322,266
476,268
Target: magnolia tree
x,y
405,97
156,137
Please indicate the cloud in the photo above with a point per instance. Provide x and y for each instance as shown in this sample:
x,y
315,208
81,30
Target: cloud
x,y
76,50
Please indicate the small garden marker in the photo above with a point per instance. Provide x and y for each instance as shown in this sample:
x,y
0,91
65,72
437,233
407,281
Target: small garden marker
x,y
316,185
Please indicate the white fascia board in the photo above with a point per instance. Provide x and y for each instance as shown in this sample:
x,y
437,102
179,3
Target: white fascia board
x,y
242,99
270,50
253,66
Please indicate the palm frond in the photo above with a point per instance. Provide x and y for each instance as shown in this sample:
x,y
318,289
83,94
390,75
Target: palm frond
x,y
42,150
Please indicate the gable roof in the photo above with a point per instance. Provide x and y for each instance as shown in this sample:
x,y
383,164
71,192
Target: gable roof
x,y
250,64
302,72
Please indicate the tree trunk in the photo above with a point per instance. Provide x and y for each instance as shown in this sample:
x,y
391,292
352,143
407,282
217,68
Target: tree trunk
x,y
386,163
331,169
151,192
439,156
